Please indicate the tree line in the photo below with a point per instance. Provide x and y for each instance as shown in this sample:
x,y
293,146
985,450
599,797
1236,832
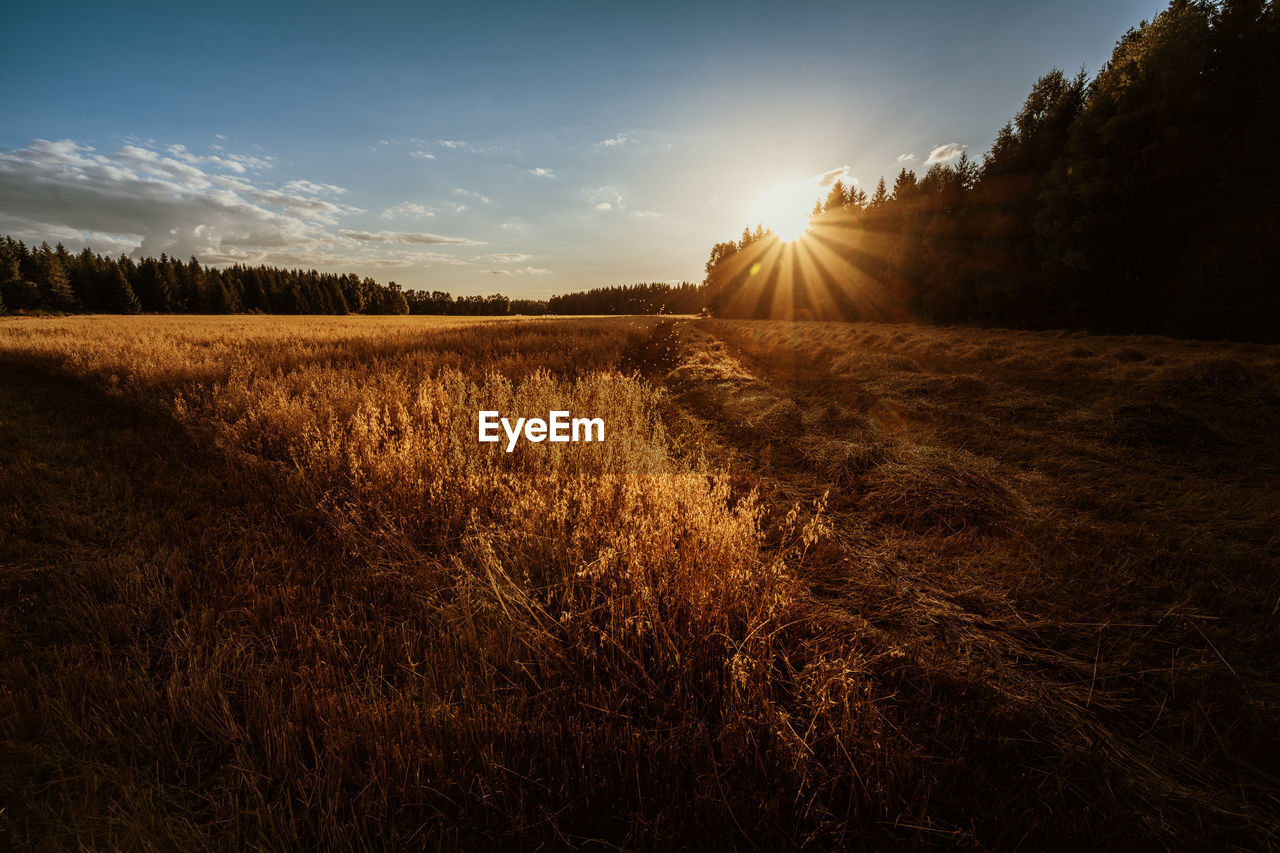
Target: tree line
x,y
1142,200
50,278
649,298
645,298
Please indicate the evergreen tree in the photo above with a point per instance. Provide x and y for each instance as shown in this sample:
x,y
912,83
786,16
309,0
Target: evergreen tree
x,y
54,283
881,196
837,198
119,294
16,291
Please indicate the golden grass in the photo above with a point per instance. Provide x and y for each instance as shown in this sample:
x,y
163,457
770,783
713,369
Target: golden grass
x,y
820,586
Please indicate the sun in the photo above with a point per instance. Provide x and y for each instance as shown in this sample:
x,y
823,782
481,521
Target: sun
x,y
785,209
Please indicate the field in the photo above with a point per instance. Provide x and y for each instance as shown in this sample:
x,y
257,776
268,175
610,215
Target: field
x,y
822,585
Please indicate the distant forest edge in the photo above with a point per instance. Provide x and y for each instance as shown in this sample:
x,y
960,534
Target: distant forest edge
x,y
1144,200
49,278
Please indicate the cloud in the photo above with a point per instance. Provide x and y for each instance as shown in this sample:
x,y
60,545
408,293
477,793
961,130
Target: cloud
x,y
411,259
829,177
616,141
607,198
169,200
407,237
522,271
646,214
542,173
313,188
406,208
471,194
509,257
237,163
34,234
945,153
906,158
144,198
422,155
388,259
451,143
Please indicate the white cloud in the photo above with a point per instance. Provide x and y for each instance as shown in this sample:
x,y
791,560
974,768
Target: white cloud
x,y
406,237
607,198
412,259
616,141
829,177
906,158
406,208
174,202
101,241
451,143
945,153
314,188
146,199
508,257
237,163
422,155
646,214
471,194
522,271
542,173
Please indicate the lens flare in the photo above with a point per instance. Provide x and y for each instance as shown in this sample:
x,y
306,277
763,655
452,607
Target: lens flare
x,y
785,209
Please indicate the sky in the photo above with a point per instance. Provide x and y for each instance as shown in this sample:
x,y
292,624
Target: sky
x,y
527,149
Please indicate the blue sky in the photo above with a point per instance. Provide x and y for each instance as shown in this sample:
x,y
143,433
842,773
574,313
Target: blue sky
x,y
524,148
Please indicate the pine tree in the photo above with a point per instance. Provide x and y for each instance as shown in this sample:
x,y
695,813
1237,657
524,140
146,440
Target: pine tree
x,y
119,294
837,199
17,292
904,185
195,286
880,196
55,286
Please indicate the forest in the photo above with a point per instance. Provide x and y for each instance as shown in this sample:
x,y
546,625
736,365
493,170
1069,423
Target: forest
x,y
1141,201
51,279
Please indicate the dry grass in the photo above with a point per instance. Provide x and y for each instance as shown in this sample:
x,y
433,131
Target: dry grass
x,y
823,585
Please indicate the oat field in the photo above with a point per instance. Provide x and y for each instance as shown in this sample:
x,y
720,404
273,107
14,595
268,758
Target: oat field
x,y
822,585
